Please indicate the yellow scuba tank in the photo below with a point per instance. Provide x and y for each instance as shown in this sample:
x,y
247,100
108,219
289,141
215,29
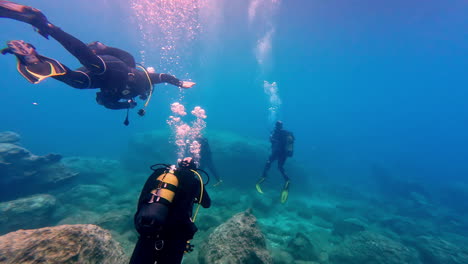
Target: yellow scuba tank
x,y
167,185
153,210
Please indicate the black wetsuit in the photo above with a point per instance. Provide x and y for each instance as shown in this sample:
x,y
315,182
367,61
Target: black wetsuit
x,y
110,69
206,160
279,152
178,228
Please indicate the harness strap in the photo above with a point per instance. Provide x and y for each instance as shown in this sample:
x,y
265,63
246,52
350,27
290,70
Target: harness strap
x,y
166,185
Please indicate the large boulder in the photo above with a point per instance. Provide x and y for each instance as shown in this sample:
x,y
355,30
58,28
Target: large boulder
x,y
83,244
369,247
238,241
33,173
31,212
9,137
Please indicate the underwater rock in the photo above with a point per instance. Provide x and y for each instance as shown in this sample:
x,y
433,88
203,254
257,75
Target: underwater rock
x,y
31,212
9,137
326,212
369,247
93,169
19,167
434,250
348,226
83,244
237,241
118,221
281,257
86,196
301,248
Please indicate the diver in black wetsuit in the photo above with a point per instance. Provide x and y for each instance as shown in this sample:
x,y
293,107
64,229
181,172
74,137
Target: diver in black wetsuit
x,y
164,215
206,159
281,148
112,70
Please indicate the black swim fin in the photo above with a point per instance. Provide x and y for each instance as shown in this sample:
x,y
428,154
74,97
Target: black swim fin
x,y
34,67
28,15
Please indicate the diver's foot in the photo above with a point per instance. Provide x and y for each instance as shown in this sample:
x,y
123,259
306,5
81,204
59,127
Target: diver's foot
x,y
28,15
257,186
285,192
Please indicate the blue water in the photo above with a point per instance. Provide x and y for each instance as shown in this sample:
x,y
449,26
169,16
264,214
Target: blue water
x,y
360,81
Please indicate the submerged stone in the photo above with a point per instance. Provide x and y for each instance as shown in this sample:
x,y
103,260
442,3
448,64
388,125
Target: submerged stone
x,y
238,241
23,173
80,244
31,212
9,137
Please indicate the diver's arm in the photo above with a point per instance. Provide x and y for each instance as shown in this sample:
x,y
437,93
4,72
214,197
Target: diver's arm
x,y
206,200
167,78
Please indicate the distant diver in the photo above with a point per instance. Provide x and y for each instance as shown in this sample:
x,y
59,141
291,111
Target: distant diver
x,y
206,159
164,217
282,147
112,70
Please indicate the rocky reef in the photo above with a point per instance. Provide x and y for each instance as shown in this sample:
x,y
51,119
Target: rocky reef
x,y
24,173
386,219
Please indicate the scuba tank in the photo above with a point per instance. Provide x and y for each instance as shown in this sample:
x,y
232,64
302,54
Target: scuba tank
x,y
155,200
289,146
158,194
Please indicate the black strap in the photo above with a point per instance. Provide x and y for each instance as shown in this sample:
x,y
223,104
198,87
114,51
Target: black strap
x,y
159,199
166,185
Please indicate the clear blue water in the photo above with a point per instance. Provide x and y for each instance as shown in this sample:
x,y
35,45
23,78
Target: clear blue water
x,y
360,81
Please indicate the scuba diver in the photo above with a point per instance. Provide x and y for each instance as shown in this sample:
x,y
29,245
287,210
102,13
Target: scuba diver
x,y
164,214
282,144
112,70
206,160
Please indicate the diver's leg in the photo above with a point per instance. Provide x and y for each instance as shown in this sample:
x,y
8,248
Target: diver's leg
x,y
264,174
285,191
268,165
144,252
208,162
37,19
281,161
79,49
25,14
172,252
76,79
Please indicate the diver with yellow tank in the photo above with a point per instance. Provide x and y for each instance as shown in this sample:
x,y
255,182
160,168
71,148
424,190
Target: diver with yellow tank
x,y
164,216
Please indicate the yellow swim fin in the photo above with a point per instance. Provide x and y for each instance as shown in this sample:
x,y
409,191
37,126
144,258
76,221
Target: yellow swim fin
x,y
257,186
285,192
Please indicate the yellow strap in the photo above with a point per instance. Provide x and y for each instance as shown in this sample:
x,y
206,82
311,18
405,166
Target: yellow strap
x,y
150,83
201,194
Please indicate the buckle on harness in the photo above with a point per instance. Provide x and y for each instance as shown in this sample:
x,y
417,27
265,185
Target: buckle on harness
x,y
159,244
